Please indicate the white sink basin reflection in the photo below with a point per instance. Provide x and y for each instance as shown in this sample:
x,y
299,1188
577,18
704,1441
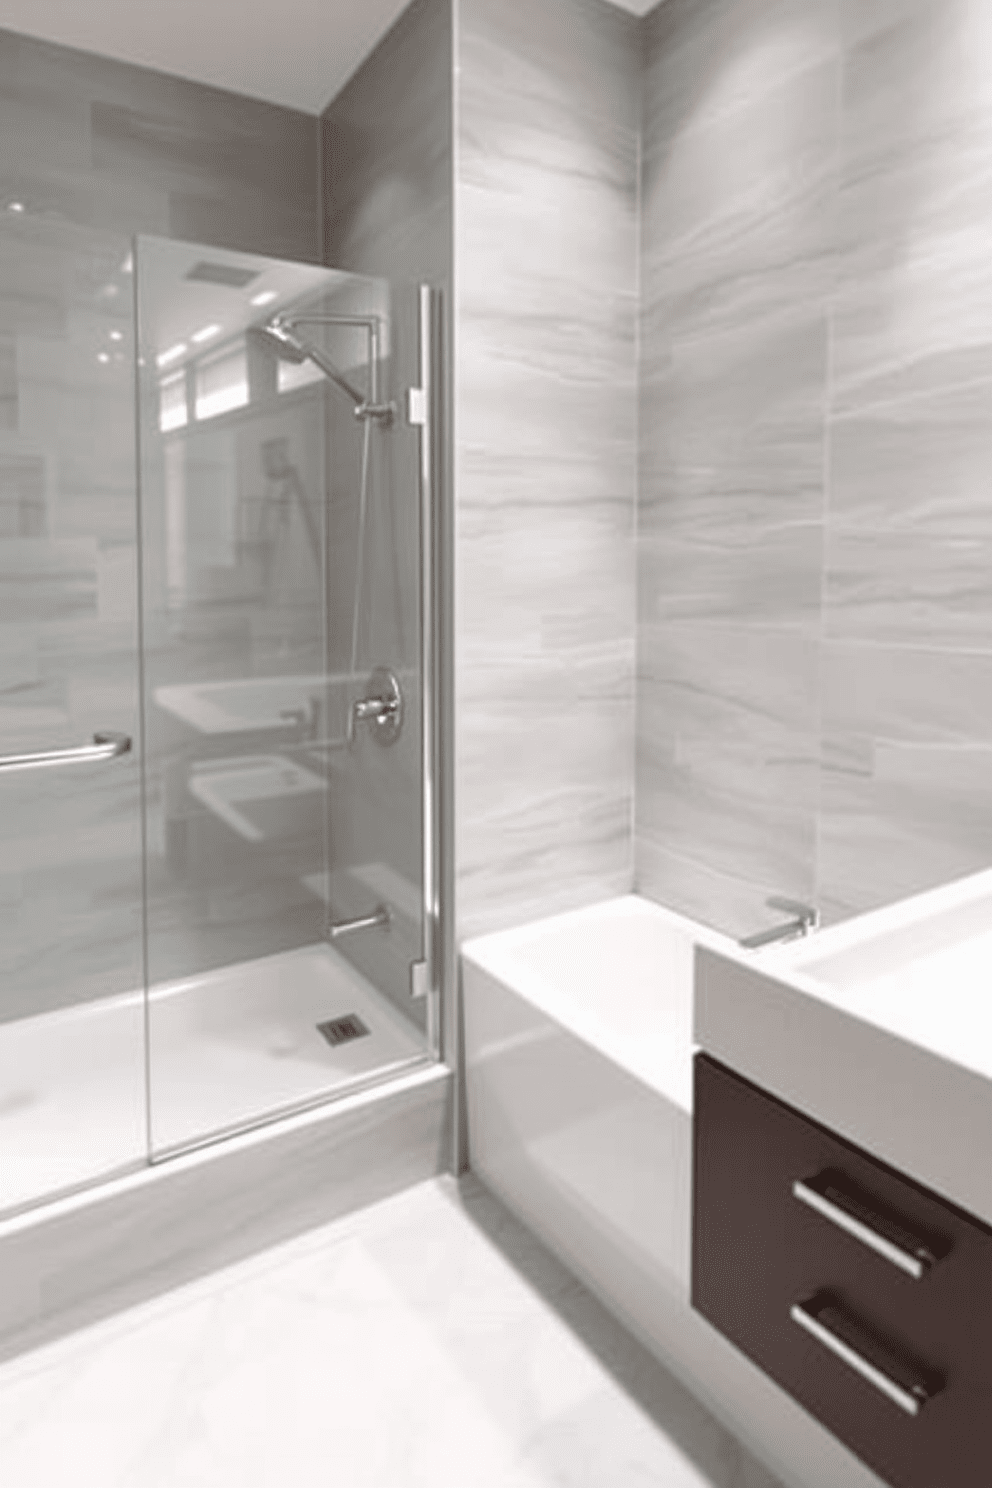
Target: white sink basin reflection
x,y
240,706
262,796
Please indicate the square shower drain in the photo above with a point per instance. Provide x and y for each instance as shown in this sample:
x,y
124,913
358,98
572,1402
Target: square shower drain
x,y
343,1030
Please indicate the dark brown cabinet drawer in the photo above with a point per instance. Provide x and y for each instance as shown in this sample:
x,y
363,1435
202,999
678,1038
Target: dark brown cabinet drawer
x,y
863,1294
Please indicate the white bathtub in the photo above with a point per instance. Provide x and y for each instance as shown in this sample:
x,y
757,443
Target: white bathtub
x,y
578,1038
578,1046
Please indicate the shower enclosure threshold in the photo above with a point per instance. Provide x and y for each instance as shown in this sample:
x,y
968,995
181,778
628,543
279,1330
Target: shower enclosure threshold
x,y
71,1261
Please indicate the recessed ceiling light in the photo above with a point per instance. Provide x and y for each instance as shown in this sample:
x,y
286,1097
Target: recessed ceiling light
x,y
103,356
117,335
265,298
173,354
15,207
200,336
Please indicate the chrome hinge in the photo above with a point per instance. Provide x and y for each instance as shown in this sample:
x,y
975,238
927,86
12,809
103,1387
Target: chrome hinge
x,y
419,984
416,407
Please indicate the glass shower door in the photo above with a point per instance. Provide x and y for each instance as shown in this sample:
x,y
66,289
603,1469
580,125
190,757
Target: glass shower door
x,y
72,1052
281,625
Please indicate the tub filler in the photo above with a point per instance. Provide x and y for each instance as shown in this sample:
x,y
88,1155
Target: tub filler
x,y
578,1048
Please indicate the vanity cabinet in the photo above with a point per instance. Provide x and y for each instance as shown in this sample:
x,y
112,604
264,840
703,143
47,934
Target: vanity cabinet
x,y
863,1294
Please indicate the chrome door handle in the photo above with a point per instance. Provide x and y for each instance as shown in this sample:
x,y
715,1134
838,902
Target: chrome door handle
x,y
880,1234
104,747
910,1394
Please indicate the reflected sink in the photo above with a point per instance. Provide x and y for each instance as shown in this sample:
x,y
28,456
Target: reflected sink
x,y
240,707
262,796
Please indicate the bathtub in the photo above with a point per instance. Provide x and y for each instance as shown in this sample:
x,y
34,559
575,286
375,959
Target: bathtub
x,y
578,1053
578,1042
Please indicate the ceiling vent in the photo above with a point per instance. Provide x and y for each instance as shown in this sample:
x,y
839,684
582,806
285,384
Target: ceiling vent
x,y
216,273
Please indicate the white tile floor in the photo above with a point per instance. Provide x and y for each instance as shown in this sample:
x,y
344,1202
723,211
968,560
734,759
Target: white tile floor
x,y
428,1340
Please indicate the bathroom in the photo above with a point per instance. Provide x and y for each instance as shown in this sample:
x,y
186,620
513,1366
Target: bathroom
x,y
648,590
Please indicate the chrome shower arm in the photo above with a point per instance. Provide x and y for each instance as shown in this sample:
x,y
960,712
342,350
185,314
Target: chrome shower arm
x,y
365,407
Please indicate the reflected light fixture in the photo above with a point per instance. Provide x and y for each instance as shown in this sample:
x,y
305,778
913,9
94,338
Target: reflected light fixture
x,y
15,206
173,354
205,334
264,298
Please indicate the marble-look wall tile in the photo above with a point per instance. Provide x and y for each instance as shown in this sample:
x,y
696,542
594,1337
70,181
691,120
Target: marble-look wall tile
x,y
97,150
548,100
907,620
913,311
738,269
710,58
727,767
123,148
738,209
388,202
907,751
387,159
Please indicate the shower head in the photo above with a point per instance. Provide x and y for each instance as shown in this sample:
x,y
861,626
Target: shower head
x,y
277,337
281,337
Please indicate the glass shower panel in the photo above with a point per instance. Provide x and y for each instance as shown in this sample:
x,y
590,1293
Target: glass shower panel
x,y
72,1053
276,581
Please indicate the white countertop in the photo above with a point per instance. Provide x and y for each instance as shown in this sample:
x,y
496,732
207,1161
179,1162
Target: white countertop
x,y
881,1028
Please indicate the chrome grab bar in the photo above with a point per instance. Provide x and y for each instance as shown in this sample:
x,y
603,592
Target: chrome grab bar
x,y
806,919
104,747
379,916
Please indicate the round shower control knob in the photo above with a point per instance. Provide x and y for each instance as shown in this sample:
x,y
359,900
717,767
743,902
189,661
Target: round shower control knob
x,y
382,707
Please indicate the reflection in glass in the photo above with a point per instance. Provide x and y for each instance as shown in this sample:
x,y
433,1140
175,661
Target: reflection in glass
x,y
270,544
72,1088
188,888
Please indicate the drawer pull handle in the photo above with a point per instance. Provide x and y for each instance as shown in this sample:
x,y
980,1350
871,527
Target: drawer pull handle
x,y
881,1235
910,1397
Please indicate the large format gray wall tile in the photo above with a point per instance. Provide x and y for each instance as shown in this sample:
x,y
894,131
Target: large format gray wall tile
x,y
387,155
907,705
815,445
122,148
95,150
388,201
738,269
548,121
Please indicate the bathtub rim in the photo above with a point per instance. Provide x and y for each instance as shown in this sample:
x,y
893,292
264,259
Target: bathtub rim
x,y
667,1072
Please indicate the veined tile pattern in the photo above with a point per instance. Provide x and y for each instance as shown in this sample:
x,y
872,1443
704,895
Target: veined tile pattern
x,y
97,150
125,149
387,212
907,718
738,268
815,442
546,201
387,170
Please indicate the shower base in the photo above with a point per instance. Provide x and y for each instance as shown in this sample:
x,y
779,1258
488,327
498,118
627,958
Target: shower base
x,y
226,1049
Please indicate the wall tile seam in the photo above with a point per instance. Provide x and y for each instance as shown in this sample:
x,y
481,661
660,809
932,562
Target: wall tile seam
x,y
642,31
